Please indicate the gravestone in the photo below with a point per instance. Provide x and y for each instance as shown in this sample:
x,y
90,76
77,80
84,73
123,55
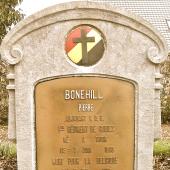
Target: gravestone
x,y
84,88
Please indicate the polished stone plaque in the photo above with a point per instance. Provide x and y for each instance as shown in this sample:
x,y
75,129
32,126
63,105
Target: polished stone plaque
x,y
85,123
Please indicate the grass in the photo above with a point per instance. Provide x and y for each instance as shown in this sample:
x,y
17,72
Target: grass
x,y
162,147
8,150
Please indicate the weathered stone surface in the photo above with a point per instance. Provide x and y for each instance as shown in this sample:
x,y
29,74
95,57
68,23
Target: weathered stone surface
x,y
35,47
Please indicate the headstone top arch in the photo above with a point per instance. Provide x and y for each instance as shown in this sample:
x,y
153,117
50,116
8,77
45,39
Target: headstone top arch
x,y
110,14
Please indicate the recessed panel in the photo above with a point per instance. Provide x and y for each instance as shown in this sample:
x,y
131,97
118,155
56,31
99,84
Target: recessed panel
x,y
85,123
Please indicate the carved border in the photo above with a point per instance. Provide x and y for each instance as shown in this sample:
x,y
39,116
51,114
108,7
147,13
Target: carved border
x,y
136,90
81,11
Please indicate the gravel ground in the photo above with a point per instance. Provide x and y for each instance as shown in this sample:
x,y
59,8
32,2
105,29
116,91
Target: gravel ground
x,y
166,131
161,163
3,133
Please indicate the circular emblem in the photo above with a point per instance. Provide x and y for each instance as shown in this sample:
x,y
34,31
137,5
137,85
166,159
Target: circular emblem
x,y
84,45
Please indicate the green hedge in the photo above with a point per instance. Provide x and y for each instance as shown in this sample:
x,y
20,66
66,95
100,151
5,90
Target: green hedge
x,y
8,150
162,147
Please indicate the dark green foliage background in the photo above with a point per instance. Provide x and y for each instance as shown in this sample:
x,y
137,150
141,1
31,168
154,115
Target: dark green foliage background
x,y
9,16
3,93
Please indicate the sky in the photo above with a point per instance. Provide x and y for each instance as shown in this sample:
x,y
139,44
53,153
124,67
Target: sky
x,y
31,6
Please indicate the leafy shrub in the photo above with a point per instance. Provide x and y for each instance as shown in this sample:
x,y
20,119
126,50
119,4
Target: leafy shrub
x,y
162,147
3,94
7,150
165,93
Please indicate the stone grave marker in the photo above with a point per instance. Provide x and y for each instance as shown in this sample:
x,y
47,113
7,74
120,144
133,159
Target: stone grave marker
x,y
84,88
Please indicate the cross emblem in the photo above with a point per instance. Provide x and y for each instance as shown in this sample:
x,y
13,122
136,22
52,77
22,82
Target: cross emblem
x,y
84,40
84,45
